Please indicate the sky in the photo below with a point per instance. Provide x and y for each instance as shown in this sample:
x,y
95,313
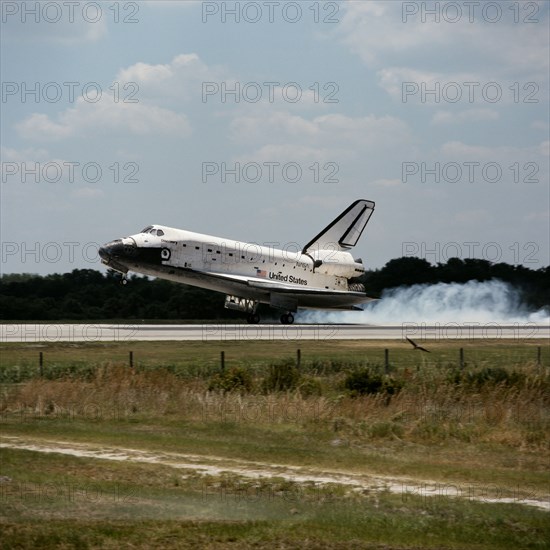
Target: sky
x,y
262,121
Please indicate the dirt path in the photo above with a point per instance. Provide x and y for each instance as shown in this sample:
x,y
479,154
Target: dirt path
x,y
215,465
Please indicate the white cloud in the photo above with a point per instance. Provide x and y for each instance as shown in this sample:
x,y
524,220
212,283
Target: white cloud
x,y
104,117
325,130
148,85
289,153
387,182
540,125
506,154
9,154
180,79
541,216
384,39
332,147
473,216
466,116
175,4
40,127
88,193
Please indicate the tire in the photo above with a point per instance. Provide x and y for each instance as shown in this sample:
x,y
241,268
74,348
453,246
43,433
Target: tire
x,y
253,319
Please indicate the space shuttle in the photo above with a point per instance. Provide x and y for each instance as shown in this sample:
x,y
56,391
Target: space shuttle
x,y
323,275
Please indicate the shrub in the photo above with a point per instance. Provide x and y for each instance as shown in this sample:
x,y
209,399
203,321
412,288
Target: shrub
x,y
234,379
364,381
282,376
310,386
489,376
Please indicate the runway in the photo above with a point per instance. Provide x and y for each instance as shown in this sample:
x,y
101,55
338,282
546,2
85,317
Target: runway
x,y
92,332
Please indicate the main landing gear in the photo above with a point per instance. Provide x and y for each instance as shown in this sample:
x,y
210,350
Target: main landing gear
x,y
287,318
253,319
250,307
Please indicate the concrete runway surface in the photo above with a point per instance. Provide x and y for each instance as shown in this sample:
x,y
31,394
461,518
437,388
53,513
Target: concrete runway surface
x,y
93,332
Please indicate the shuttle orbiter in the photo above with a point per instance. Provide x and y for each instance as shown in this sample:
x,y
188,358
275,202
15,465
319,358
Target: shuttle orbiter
x,y
323,275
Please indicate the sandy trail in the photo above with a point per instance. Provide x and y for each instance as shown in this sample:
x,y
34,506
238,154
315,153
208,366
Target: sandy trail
x,y
216,465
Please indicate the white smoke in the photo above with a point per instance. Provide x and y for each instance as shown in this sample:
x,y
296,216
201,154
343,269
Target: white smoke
x,y
471,302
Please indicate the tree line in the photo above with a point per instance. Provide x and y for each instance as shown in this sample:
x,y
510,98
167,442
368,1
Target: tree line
x,y
87,294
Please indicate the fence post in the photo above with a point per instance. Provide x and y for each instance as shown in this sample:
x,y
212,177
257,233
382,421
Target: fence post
x,y
222,358
539,358
387,360
131,359
298,358
41,363
461,358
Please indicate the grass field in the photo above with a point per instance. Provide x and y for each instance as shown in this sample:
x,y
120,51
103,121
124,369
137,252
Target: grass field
x,y
174,453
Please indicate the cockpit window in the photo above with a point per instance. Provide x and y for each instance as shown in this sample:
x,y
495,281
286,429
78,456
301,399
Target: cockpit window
x,y
150,229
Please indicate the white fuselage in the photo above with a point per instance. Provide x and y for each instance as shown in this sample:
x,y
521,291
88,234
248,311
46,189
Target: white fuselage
x,y
186,249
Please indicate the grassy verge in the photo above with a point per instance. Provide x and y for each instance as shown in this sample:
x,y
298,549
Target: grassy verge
x,y
484,427
91,504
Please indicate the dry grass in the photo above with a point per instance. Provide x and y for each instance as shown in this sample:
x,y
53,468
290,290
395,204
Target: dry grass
x,y
490,435
430,408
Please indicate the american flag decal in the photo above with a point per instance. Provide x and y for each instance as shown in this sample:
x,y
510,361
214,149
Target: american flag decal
x,y
261,273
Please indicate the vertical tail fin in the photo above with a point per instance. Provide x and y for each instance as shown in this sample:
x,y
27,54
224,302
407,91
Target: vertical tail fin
x,y
344,232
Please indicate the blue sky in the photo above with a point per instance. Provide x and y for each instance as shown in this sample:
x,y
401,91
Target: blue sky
x,y
464,177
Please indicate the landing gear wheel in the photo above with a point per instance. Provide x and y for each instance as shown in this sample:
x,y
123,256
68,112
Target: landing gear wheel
x,y
253,319
287,318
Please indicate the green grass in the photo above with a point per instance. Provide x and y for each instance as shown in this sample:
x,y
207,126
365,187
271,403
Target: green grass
x,y
21,361
90,503
485,426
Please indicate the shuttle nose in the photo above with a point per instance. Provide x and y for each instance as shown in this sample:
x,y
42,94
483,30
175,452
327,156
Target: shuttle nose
x,y
119,249
110,249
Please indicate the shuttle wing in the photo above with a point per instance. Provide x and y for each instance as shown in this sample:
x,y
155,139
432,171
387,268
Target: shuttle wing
x,y
344,232
276,286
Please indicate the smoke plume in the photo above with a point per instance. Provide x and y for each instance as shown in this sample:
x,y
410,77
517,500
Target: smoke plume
x,y
471,302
